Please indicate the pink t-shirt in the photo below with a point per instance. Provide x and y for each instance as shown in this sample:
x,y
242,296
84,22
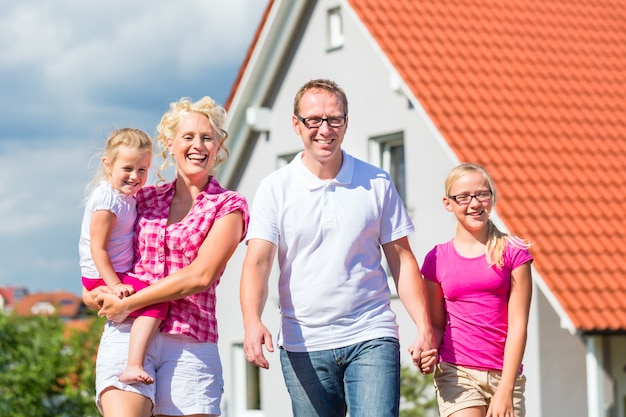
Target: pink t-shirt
x,y
162,249
476,300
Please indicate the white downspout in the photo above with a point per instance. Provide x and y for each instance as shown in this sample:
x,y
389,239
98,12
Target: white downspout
x,y
595,388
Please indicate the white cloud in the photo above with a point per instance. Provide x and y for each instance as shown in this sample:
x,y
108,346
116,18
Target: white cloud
x,y
41,187
80,58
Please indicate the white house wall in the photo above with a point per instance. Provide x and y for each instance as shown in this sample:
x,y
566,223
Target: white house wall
x,y
557,367
375,109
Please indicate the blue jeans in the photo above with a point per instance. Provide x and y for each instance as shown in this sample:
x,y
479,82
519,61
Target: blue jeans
x,y
363,378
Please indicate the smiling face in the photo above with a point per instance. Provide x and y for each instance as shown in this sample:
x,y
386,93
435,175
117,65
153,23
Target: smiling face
x,y
128,171
322,145
194,147
474,215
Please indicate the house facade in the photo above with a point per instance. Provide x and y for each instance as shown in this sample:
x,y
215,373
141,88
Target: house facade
x,y
430,85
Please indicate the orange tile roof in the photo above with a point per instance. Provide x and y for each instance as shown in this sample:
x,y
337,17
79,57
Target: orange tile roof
x,y
534,90
63,303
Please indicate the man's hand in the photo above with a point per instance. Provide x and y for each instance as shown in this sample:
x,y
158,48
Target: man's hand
x,y
257,336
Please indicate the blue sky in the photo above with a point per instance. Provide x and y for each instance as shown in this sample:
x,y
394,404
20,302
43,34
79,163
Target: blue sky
x,y
70,72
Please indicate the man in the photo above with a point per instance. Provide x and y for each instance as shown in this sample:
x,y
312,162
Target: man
x,y
328,214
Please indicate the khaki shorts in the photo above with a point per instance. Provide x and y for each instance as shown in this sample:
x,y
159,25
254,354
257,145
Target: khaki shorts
x,y
459,387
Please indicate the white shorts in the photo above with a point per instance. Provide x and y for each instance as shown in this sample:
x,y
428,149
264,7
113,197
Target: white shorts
x,y
187,372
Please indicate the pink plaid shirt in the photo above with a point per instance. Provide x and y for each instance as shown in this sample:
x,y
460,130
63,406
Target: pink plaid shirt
x,y
161,250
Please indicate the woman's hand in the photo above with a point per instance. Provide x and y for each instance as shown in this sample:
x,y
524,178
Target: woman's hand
x,y
90,298
112,307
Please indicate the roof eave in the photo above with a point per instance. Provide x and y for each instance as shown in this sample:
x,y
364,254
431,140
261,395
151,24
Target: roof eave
x,y
255,80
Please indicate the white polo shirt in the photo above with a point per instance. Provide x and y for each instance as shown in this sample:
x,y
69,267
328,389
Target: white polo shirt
x,y
333,290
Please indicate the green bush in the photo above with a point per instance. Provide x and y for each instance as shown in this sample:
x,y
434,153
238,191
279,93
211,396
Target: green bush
x,y
46,368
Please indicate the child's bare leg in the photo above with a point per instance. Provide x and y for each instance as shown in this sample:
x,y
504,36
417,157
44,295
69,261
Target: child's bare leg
x,y
141,335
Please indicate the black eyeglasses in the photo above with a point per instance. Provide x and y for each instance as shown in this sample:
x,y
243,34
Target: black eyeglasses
x,y
315,122
465,199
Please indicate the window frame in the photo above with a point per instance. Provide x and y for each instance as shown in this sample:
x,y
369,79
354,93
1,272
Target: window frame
x,y
335,38
246,401
381,156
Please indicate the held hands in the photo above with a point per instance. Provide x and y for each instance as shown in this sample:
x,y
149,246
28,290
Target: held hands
x,y
257,336
424,360
112,307
90,297
428,361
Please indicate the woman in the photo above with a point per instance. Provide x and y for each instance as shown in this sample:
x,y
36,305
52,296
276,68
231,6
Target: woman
x,y
186,231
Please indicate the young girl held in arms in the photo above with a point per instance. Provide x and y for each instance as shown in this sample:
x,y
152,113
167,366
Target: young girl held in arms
x,y
107,233
479,287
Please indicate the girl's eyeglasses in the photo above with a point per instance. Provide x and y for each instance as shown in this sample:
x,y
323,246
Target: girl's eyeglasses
x,y
465,199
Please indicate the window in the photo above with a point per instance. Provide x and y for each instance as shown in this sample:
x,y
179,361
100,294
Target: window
x,y
388,153
247,389
285,159
43,308
334,25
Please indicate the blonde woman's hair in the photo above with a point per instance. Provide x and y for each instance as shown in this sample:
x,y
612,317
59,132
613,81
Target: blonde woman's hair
x,y
128,136
496,239
170,123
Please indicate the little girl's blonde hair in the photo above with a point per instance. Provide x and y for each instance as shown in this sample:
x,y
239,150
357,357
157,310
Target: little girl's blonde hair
x,y
496,239
126,136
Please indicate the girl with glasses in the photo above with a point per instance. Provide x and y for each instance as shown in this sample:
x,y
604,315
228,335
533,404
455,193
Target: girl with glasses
x,y
479,287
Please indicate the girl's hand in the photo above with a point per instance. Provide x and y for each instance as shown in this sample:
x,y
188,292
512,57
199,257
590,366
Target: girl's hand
x,y
123,290
501,405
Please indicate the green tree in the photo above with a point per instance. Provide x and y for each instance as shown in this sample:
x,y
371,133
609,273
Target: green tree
x,y
417,397
46,368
